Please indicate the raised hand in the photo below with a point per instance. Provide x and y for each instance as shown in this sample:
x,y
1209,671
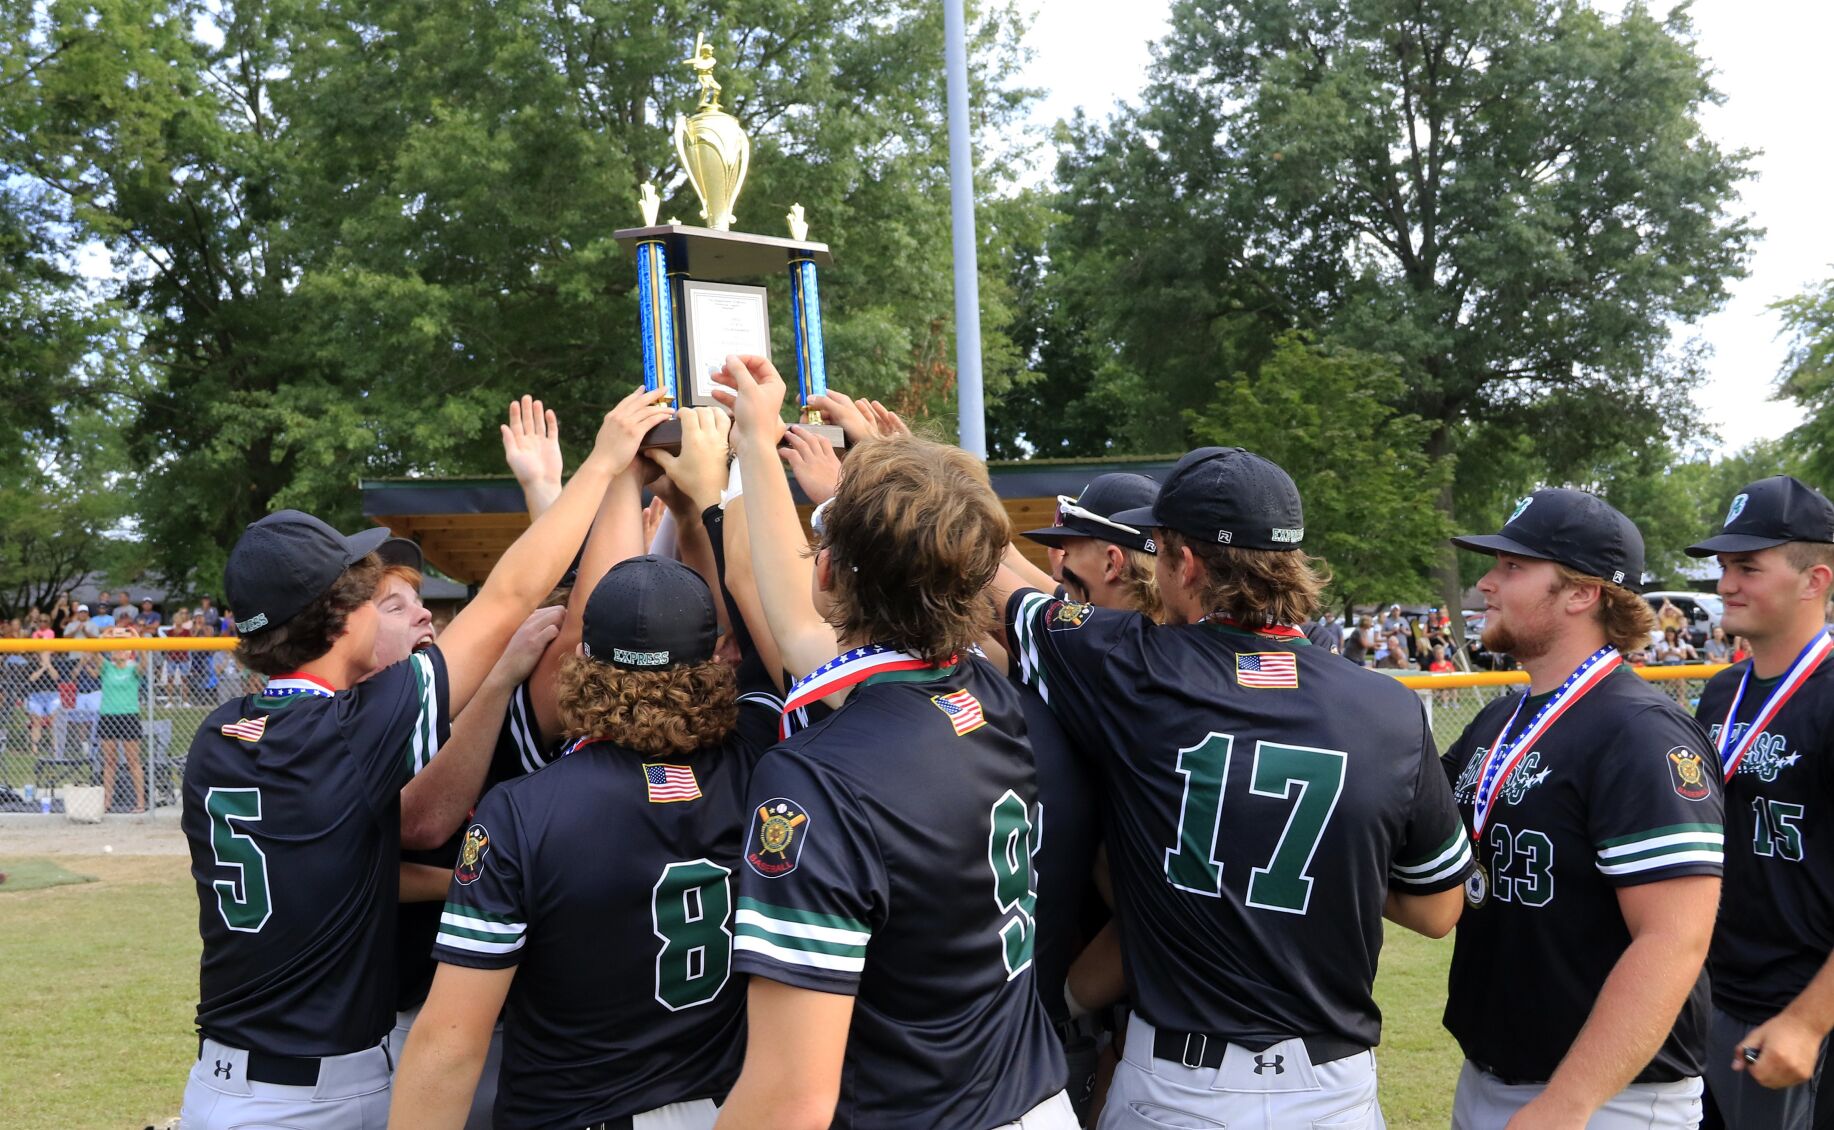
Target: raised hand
x,y
525,647
531,444
840,409
626,425
813,461
699,471
753,388
884,421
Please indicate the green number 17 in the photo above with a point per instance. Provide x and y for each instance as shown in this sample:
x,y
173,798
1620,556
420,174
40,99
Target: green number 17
x,y
1282,883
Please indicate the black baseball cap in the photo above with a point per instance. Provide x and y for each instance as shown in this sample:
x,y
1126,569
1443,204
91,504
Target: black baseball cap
x,y
650,613
1572,528
1091,513
1770,512
1228,496
402,551
284,562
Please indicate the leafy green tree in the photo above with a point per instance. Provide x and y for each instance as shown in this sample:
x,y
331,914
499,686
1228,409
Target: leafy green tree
x,y
1808,379
1326,415
350,231
1514,198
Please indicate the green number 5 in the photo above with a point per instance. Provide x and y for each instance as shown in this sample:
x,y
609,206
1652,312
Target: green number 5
x,y
1282,884
242,901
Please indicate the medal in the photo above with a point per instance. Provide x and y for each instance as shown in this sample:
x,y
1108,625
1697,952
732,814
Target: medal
x,y
1504,756
1477,887
1807,660
839,673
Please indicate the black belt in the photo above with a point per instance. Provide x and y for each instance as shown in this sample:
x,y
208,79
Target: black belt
x,y
280,1070
1195,1049
624,1123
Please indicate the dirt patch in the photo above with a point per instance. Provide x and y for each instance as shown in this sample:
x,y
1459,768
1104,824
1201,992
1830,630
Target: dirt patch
x,y
125,835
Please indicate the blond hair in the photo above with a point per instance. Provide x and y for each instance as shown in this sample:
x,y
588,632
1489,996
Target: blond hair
x,y
1140,583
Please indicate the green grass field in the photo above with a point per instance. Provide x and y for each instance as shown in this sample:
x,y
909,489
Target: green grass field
x,y
99,982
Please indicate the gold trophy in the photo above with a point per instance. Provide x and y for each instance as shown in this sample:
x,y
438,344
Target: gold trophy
x,y
712,145
690,313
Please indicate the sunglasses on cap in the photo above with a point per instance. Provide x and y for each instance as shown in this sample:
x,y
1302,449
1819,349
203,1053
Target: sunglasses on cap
x,y
1067,509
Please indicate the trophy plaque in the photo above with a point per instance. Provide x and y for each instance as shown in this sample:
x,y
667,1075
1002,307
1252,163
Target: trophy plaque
x,y
693,305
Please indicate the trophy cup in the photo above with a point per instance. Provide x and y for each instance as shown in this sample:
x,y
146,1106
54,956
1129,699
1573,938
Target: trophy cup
x,y
690,310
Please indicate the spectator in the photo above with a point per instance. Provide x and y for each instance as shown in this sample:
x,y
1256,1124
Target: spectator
x,y
1360,642
1325,634
41,702
1674,648
1394,624
61,611
200,679
213,616
42,629
1439,664
81,626
118,724
1669,616
1741,650
102,616
177,666
148,620
1717,648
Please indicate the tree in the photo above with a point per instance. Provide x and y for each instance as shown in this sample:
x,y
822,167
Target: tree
x,y
351,231
1512,197
1808,378
1325,415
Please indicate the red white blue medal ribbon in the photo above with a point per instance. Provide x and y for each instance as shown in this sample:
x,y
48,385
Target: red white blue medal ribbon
x,y
296,682
1504,756
1807,660
839,673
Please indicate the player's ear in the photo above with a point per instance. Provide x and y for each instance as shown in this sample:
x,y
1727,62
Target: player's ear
x,y
1113,561
1582,599
824,569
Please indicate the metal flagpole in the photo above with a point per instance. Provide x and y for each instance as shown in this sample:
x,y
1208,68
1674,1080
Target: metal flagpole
x,y
970,412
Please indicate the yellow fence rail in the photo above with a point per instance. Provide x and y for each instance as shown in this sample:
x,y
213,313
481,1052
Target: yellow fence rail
x,y
120,643
1701,671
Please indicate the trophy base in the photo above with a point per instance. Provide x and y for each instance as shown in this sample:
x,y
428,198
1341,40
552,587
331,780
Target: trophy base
x,y
830,432
665,436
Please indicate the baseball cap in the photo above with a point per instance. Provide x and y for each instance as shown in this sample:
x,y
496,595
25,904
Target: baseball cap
x,y
284,562
1573,528
649,613
1770,512
1229,496
1091,513
402,551
82,608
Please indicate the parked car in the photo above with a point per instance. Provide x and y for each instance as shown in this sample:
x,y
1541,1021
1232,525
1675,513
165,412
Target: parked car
x,y
1703,610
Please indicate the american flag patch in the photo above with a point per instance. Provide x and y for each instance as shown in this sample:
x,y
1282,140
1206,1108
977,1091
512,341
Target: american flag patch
x,y
670,783
1268,670
248,729
963,709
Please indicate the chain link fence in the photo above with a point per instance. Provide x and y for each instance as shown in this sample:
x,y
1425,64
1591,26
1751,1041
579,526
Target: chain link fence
x,y
93,726
1453,700
58,734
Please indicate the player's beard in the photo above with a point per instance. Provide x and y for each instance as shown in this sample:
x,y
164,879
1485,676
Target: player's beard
x,y
1531,639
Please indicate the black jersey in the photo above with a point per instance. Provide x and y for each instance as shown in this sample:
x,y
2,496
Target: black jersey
x,y
1065,832
607,880
1621,790
292,808
518,751
1776,909
889,857
1265,924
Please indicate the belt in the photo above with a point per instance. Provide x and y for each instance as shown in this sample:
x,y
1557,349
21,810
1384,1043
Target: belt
x,y
1506,1079
624,1123
284,1070
1196,1049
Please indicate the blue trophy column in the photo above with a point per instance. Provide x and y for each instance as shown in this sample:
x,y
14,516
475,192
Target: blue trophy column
x,y
805,325
656,319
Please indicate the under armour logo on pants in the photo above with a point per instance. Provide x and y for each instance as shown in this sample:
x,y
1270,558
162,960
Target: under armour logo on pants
x,y
1262,1064
223,1066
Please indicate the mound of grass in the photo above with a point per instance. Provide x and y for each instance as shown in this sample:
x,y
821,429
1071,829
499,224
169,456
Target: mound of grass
x,y
36,874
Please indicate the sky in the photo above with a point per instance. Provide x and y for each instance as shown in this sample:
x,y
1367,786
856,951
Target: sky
x,y
1771,64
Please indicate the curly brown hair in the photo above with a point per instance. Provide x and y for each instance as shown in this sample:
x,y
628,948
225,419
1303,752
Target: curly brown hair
x,y
1254,587
673,711
312,631
915,535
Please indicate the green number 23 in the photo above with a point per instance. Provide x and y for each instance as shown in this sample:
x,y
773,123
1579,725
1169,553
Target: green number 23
x,y
1282,884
